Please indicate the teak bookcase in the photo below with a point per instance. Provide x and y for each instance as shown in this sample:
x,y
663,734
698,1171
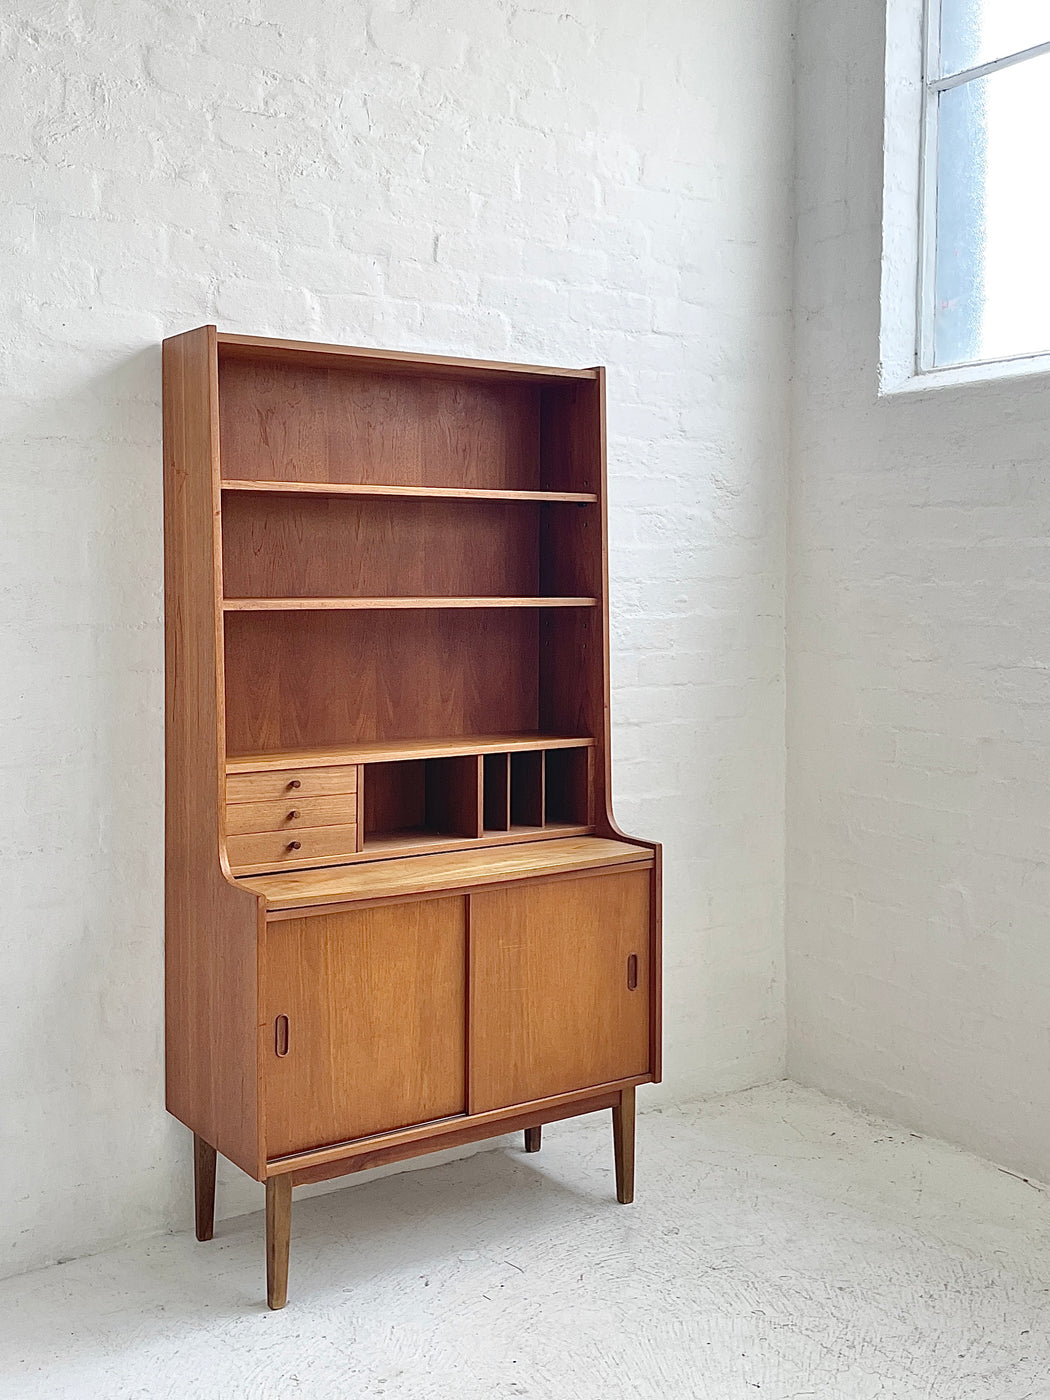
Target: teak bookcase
x,y
400,916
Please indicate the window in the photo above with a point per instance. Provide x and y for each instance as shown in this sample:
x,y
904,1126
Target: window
x,y
984,265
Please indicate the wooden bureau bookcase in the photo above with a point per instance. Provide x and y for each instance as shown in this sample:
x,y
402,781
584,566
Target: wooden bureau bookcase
x,y
400,915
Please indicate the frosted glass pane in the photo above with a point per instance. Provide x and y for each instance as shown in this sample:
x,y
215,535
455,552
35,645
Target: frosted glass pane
x,y
992,270
976,31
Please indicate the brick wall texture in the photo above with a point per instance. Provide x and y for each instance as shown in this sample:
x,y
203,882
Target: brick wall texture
x,y
582,182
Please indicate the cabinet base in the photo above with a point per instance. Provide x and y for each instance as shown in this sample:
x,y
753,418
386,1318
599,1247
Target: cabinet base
x,y
279,1186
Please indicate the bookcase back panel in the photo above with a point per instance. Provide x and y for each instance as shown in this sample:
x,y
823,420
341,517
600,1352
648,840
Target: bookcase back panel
x,y
296,680
288,422
395,796
570,437
291,546
572,671
570,551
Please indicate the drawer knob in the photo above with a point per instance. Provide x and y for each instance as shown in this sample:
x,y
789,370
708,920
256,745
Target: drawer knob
x,y
294,845
293,815
295,783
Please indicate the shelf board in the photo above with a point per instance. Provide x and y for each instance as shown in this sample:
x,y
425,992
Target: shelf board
x,y
394,750
381,845
309,353
422,841
447,493
391,602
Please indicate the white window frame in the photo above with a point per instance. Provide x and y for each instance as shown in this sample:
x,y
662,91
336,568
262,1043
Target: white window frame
x,y
910,205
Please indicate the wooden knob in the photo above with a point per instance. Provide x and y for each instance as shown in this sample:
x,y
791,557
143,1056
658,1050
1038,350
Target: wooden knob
x,y
293,815
294,845
295,783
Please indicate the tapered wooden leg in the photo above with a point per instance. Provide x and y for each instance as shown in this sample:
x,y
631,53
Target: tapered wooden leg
x,y
278,1236
623,1146
204,1186
532,1139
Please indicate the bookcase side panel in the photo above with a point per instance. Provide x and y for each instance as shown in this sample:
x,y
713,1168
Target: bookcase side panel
x,y
211,928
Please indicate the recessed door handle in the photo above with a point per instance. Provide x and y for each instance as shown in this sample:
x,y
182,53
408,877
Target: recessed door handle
x,y
632,972
281,1036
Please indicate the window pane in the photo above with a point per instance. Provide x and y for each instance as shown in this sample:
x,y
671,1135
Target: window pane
x,y
976,31
992,279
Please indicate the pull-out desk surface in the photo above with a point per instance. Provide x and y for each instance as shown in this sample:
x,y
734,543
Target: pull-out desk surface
x,y
287,893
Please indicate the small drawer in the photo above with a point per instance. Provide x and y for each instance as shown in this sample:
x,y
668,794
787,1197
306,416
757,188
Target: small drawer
x,y
291,813
274,784
273,849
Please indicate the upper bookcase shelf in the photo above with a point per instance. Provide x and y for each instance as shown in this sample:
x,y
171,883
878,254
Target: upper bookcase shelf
x,y
392,601
399,750
263,349
448,493
301,421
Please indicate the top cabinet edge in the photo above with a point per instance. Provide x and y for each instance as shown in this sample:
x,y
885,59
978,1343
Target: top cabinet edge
x,y
322,356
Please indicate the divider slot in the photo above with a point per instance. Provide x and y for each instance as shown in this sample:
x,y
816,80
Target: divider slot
x,y
394,798
497,791
427,796
453,795
526,788
568,786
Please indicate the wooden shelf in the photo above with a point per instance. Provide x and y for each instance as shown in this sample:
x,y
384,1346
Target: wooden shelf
x,y
387,879
365,359
391,602
446,493
381,845
395,750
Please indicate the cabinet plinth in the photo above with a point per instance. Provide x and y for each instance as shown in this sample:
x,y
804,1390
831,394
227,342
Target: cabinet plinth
x,y
399,913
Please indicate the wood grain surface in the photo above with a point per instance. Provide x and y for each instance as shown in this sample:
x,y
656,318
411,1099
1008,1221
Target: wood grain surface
x,y
451,493
550,1006
268,850
274,781
460,870
212,930
289,546
266,349
387,750
291,813
376,1005
390,602
320,679
296,421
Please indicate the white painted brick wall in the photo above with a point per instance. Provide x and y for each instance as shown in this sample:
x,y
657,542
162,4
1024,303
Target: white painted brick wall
x,y
919,679
584,181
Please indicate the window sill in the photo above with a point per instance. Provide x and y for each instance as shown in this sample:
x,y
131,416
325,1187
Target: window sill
x,y
892,383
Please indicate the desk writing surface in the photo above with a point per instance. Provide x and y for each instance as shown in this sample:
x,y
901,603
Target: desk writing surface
x,y
382,879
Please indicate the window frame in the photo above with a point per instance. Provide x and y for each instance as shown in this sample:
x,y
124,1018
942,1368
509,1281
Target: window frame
x,y
932,86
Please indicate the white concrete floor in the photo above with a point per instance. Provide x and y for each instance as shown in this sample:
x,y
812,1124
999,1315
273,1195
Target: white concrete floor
x,y
780,1246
